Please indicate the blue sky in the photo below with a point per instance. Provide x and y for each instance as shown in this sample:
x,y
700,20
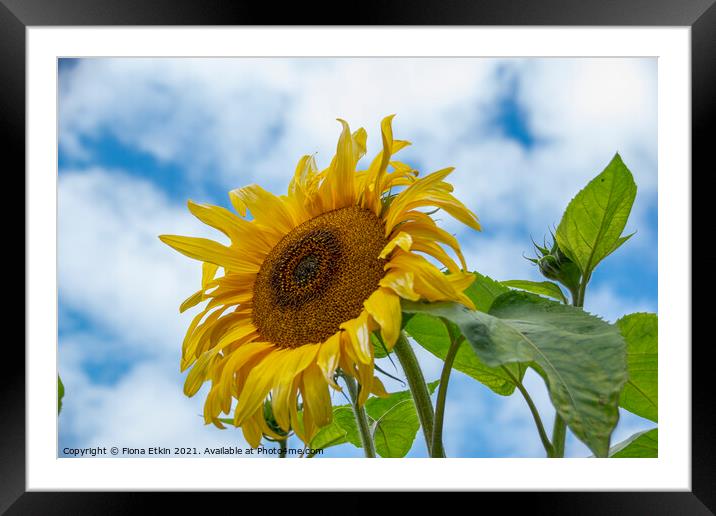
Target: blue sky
x,y
138,137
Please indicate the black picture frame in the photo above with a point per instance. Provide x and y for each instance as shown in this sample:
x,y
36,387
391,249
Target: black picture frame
x,y
700,15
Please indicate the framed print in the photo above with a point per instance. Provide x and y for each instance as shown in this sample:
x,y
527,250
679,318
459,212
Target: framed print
x,y
450,245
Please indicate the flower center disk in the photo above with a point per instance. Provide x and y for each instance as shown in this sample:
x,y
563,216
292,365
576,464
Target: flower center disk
x,y
318,276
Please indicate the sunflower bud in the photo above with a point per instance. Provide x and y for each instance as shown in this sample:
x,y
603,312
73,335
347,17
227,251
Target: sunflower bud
x,y
555,265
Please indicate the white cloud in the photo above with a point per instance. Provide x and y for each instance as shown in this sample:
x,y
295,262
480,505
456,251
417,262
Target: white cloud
x,y
590,108
145,408
254,123
114,270
603,300
501,258
112,265
230,115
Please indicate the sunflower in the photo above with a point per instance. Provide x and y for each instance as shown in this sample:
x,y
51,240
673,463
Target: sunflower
x,y
308,277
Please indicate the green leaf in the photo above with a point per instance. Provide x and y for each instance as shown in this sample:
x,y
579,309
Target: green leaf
x,y
483,291
581,357
377,407
543,288
345,419
641,393
60,394
394,422
433,336
644,445
394,432
342,429
330,435
592,225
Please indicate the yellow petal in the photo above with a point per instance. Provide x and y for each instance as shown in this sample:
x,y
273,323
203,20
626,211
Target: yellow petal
x,y
437,252
284,391
415,191
197,375
378,388
252,432
231,298
253,238
281,365
430,283
359,144
258,384
237,329
402,240
208,251
191,340
340,182
460,282
191,329
376,172
218,218
282,396
386,133
401,282
347,358
316,396
399,145
240,358
448,203
329,356
297,423
309,427
191,301
384,306
236,281
423,227
212,408
267,209
359,334
365,379
208,271
304,175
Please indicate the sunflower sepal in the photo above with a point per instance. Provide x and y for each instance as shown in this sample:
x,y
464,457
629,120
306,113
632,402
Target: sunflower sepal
x,y
554,264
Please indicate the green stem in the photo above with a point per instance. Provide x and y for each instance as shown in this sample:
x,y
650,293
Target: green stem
x,y
579,301
418,388
575,293
283,448
559,430
559,434
361,417
548,447
437,439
